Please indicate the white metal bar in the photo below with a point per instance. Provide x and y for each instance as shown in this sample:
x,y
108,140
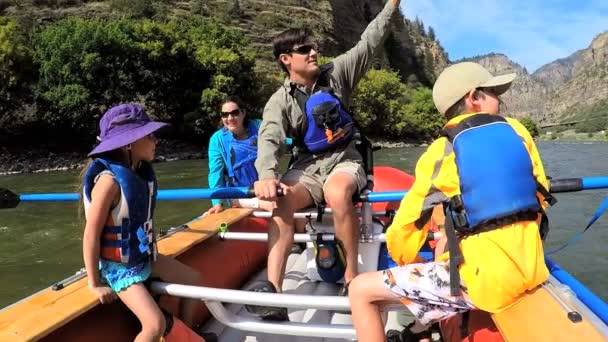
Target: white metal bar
x,y
309,214
301,237
338,331
334,303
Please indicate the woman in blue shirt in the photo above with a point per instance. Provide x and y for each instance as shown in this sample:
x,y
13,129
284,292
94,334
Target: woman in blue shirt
x,y
232,153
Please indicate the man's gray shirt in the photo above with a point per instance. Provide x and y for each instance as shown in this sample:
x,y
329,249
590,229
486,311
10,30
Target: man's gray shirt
x,y
283,117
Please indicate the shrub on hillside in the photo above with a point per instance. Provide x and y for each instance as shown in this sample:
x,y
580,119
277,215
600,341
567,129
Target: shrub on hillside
x,y
385,106
530,125
172,68
16,72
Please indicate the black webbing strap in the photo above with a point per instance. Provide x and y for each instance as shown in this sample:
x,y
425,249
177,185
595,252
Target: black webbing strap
x,y
464,324
550,199
456,257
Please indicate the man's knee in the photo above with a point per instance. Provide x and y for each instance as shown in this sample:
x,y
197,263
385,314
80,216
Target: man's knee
x,y
339,191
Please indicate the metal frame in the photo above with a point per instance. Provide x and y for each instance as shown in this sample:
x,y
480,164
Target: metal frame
x,y
214,297
303,237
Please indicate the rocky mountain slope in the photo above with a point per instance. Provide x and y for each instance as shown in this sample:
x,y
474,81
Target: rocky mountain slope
x,y
557,90
336,24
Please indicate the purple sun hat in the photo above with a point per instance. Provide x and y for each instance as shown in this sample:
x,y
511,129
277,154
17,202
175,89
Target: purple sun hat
x,y
122,125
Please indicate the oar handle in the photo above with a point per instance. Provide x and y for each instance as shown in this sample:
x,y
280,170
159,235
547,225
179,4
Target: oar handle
x,y
577,184
565,185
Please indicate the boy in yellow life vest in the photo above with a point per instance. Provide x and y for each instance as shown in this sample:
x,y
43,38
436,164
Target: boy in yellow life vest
x,y
487,172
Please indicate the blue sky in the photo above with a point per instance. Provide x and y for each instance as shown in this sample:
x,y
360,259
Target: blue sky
x,y
530,32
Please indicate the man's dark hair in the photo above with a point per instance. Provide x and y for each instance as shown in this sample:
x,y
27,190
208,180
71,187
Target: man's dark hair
x,y
286,40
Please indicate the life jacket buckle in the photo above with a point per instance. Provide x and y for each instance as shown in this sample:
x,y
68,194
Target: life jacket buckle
x,y
459,214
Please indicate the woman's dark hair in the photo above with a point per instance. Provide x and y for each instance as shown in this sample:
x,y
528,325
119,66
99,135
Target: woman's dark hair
x,y
286,40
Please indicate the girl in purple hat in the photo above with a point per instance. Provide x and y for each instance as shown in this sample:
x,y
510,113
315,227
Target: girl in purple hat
x,y
119,244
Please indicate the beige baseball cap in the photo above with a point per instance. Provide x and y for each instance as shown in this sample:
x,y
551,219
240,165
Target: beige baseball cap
x,y
457,80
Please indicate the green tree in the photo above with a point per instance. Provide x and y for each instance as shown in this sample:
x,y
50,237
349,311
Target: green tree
x,y
135,8
431,34
172,68
378,101
199,7
388,108
17,74
421,114
530,125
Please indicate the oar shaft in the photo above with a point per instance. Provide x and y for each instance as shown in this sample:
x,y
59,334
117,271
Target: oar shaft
x,y
49,197
557,185
170,194
219,193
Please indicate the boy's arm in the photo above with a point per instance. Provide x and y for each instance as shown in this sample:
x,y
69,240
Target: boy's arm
x,y
216,165
350,67
435,183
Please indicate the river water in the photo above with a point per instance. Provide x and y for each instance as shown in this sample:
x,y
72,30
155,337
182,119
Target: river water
x,y
40,243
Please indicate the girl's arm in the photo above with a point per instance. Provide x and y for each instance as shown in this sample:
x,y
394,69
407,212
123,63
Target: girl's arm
x,y
103,195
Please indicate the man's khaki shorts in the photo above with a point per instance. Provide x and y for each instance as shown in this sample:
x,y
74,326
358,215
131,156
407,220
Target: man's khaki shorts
x,y
315,183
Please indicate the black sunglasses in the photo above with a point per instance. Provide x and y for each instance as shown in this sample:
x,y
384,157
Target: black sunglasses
x,y
303,49
235,112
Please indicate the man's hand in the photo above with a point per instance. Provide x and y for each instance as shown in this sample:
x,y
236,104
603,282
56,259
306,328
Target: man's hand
x,y
395,2
266,189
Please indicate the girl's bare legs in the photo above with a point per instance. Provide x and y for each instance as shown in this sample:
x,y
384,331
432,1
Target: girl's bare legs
x,y
171,270
137,298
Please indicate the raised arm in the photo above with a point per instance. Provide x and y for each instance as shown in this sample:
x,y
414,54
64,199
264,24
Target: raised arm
x,y
350,67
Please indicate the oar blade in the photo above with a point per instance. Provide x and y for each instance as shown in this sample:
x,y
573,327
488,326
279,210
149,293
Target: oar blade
x,y
8,199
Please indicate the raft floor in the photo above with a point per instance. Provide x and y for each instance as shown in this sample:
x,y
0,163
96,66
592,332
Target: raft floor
x,y
296,282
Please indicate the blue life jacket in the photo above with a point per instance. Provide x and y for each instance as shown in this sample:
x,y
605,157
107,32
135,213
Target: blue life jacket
x,y
497,183
240,156
128,235
329,124
495,171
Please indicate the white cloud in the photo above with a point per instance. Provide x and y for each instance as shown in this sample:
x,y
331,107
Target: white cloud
x,y
531,33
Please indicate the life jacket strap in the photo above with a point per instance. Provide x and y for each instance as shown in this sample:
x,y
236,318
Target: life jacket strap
x,y
456,257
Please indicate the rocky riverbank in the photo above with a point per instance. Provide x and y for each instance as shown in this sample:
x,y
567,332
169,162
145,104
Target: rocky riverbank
x,y
26,161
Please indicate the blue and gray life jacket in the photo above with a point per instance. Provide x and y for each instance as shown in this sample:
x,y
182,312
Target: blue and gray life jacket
x,y
328,123
128,234
240,155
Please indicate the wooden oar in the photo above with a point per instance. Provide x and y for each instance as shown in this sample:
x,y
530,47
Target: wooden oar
x,y
9,199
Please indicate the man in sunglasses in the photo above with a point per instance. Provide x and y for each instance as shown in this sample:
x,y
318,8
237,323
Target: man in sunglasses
x,y
333,170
